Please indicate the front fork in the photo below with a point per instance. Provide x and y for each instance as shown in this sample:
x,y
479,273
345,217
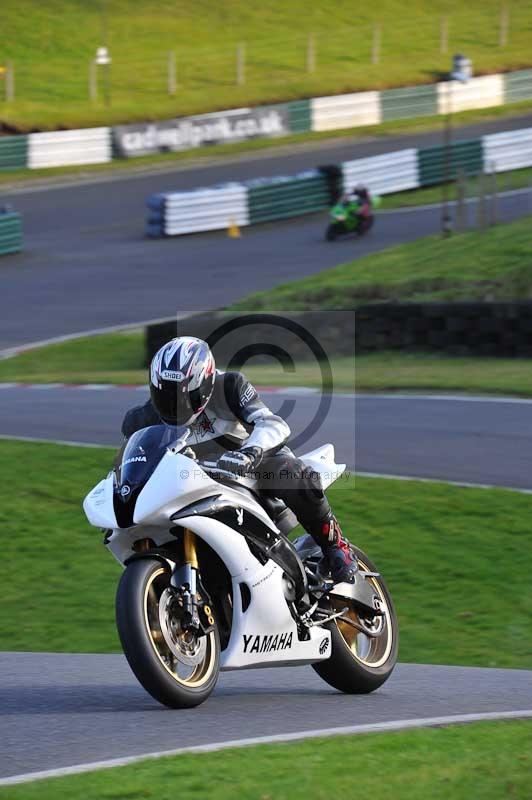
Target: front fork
x,y
184,580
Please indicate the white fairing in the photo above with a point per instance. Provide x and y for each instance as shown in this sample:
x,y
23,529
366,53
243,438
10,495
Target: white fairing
x,y
322,461
98,505
175,478
265,633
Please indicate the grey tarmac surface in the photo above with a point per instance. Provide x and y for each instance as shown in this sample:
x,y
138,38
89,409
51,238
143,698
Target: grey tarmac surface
x,y
483,441
82,708
87,264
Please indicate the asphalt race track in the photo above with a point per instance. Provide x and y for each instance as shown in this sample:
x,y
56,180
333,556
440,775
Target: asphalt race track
x,y
78,709
84,708
87,264
474,441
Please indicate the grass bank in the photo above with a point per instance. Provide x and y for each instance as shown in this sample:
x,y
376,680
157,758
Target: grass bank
x,y
396,371
118,358
107,358
503,182
51,56
445,551
487,760
492,265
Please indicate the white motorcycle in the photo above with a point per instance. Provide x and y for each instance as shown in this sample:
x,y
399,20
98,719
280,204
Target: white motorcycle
x,y
211,581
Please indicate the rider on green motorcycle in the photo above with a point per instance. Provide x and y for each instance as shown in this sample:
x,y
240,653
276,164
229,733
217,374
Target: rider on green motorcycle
x,y
361,198
352,214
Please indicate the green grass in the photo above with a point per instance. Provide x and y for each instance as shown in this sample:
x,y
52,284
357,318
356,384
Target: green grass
x,y
490,760
57,581
108,358
393,371
51,55
445,551
496,264
492,265
503,182
119,358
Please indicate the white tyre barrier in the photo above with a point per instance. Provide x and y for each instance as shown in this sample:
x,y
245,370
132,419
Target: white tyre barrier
x,y
61,148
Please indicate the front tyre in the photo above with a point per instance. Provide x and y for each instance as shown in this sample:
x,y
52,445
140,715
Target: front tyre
x,y
359,662
178,668
334,230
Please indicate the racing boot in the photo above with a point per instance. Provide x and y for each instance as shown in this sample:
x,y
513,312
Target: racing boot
x,y
337,555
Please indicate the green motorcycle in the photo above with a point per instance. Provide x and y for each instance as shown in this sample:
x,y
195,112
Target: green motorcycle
x,y
345,217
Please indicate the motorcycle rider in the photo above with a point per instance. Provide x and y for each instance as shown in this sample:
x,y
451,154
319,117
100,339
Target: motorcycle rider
x,y
362,197
228,420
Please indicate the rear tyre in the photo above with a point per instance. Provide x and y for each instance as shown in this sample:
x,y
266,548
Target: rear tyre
x,y
359,663
365,225
175,667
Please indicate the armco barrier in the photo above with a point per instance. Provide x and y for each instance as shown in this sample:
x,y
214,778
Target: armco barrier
x,y
99,145
345,111
200,210
517,86
277,198
483,92
391,172
299,116
507,151
465,157
10,233
13,152
414,101
266,199
60,148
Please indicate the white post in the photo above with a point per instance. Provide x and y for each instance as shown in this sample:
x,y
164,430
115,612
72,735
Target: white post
x,y
504,25
10,82
172,79
311,53
444,34
93,81
376,49
241,64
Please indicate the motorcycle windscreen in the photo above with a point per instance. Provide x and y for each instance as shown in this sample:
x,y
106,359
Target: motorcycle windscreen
x,y
141,455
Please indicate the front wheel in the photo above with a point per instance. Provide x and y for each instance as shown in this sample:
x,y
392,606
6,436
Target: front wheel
x,y
360,662
176,666
334,230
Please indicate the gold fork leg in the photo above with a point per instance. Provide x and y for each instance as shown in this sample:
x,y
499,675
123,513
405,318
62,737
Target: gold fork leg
x,y
191,557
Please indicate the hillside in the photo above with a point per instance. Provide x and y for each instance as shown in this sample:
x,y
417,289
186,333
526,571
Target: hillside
x,y
491,265
51,44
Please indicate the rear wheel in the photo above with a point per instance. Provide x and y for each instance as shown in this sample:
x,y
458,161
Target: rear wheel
x,y
365,225
364,653
176,666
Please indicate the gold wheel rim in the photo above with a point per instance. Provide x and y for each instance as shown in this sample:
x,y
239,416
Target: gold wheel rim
x,y
202,671
372,652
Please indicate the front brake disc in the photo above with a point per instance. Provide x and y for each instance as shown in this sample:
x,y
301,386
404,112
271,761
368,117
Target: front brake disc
x,y
187,647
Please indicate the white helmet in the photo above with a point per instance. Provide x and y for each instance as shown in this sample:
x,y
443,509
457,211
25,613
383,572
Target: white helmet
x,y
182,379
